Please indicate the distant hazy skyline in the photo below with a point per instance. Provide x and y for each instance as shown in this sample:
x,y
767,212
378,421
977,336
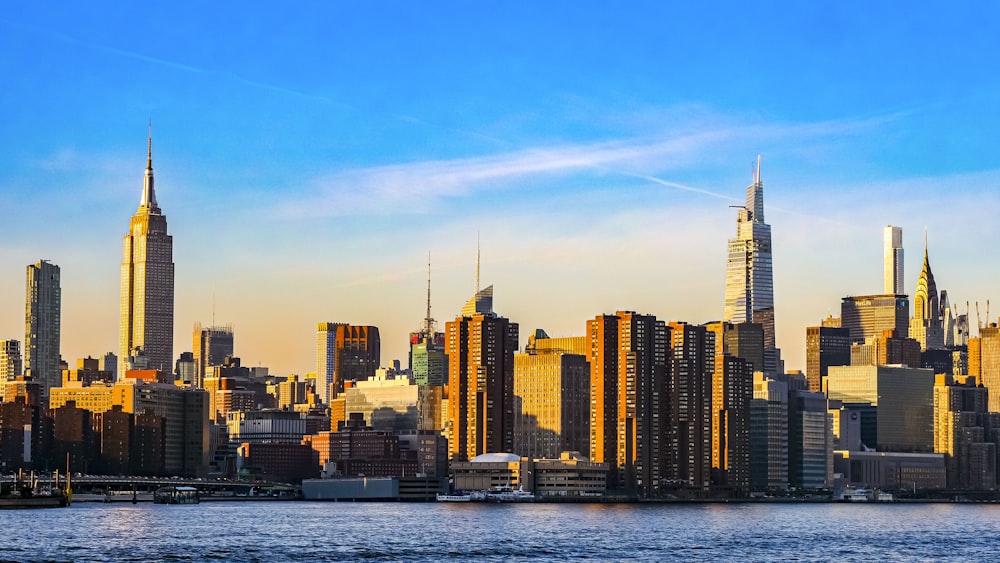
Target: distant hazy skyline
x,y
308,158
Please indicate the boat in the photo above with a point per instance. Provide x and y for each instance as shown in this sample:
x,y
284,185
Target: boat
x,y
518,495
454,498
55,500
176,495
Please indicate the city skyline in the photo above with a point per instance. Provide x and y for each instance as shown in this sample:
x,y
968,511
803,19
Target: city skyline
x,y
595,151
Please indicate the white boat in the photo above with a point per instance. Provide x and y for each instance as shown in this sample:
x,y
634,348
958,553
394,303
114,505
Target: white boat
x,y
519,495
454,498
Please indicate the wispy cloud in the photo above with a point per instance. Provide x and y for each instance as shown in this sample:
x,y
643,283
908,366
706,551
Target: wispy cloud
x,y
414,187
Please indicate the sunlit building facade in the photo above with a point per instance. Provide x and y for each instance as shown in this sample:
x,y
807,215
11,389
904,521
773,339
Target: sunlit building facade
x,y
551,403
147,284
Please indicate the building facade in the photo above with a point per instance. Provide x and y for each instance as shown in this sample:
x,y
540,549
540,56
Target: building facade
x,y
865,316
825,347
147,284
749,278
344,352
893,261
211,345
552,403
11,365
42,325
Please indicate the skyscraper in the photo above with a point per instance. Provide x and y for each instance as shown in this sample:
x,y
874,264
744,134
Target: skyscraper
x,y
630,402
43,305
344,353
825,346
480,352
926,327
147,289
893,260
692,365
211,346
749,279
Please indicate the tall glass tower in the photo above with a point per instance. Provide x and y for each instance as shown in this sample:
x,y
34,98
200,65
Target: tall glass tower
x,y
42,320
749,281
147,306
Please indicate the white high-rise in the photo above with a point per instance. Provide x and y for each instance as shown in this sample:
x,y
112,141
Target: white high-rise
x,y
893,261
147,290
42,319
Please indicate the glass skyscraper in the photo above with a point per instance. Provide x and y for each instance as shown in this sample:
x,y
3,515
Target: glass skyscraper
x,y
749,281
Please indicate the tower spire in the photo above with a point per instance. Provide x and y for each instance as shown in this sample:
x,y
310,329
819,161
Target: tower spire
x,y
477,262
428,321
148,200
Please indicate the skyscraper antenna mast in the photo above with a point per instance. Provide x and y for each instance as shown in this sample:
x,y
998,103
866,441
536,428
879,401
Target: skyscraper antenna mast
x,y
428,321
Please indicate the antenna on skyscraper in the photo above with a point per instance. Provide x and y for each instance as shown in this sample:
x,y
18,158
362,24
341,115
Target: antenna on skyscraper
x,y
428,321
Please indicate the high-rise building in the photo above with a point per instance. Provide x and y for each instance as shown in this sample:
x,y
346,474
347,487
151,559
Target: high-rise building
x,y
768,434
42,325
147,283
966,432
749,278
984,362
810,464
886,350
552,402
732,390
10,360
630,405
903,398
866,316
344,352
212,345
825,347
692,365
893,261
926,326
480,352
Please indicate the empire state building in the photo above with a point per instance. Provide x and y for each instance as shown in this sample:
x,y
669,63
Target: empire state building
x,y
147,306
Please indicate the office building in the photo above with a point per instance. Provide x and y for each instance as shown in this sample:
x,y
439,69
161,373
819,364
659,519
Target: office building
x,y
768,435
10,360
886,349
211,345
903,398
810,465
825,347
147,284
42,320
344,352
480,352
384,404
865,316
551,401
893,261
630,405
749,279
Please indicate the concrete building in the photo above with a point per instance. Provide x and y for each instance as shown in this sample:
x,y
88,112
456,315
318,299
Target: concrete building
x,y
749,279
903,398
865,316
551,402
480,352
966,432
892,471
892,262
768,434
344,352
42,322
211,345
984,362
825,347
630,405
692,366
147,283
11,365
886,349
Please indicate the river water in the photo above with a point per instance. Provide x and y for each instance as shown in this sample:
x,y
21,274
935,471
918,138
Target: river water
x,y
315,531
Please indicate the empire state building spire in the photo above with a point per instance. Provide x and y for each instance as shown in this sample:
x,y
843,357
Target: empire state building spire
x,y
148,200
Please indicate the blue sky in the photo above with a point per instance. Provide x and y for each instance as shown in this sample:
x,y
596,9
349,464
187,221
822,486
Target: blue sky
x,y
308,158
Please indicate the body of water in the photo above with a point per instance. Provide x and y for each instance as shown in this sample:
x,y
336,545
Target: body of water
x,y
315,531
